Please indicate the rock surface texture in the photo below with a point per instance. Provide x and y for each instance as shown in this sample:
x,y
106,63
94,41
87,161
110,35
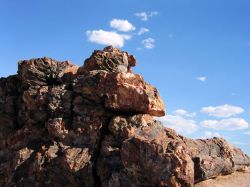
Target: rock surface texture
x,y
64,125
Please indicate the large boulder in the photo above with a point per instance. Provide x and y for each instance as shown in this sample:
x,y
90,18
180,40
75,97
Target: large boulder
x,y
139,151
121,92
64,125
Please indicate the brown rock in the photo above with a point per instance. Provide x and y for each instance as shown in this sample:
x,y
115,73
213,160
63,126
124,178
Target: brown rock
x,y
57,128
61,125
8,105
128,92
214,157
110,59
76,159
139,151
122,92
45,71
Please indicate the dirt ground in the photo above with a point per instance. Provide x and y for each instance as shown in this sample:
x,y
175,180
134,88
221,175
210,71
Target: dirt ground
x,y
237,179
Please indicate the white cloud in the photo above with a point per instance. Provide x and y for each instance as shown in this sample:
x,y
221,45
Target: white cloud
x,y
209,134
178,123
181,112
144,16
222,111
142,31
121,25
107,37
225,124
149,43
153,13
202,79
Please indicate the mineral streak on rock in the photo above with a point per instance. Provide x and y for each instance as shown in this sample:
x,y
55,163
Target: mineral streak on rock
x,y
64,125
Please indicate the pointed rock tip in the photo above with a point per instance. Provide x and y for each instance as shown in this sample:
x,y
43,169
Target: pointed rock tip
x,y
110,59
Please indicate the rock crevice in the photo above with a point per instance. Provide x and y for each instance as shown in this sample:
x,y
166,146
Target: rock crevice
x,y
64,125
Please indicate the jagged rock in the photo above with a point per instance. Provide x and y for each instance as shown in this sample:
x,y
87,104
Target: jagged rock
x,y
45,72
110,59
140,151
61,125
123,92
8,106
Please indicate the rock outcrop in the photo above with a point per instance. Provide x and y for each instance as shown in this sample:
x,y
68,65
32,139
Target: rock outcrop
x,y
63,125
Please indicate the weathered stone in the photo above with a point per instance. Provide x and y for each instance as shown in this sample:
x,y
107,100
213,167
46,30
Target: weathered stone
x,y
110,59
57,128
214,157
75,159
139,151
128,92
45,71
122,92
61,125
8,107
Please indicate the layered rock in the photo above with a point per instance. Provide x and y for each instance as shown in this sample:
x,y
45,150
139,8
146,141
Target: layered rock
x,y
63,125
214,157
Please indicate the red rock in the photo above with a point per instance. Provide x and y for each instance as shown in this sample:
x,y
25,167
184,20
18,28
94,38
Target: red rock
x,y
75,158
122,92
128,92
140,152
45,71
57,128
110,59
61,125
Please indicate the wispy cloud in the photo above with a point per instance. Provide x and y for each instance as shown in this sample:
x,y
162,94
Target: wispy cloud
x,y
184,113
179,123
148,43
222,110
144,16
122,25
202,79
142,31
107,37
230,124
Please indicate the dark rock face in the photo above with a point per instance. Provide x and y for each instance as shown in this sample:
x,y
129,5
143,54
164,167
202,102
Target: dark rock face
x,y
214,157
63,125
139,151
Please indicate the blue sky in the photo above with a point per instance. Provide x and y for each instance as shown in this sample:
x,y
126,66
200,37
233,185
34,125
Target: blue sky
x,y
197,53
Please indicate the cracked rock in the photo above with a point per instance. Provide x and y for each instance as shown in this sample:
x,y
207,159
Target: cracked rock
x,y
64,125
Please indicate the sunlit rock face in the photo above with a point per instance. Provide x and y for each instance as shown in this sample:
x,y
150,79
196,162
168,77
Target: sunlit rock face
x,y
64,125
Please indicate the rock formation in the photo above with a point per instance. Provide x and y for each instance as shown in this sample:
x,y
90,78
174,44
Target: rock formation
x,y
63,125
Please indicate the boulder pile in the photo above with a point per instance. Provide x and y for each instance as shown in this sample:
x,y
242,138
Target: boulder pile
x,y
64,125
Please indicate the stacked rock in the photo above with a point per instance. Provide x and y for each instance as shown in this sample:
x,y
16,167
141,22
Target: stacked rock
x,y
63,125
